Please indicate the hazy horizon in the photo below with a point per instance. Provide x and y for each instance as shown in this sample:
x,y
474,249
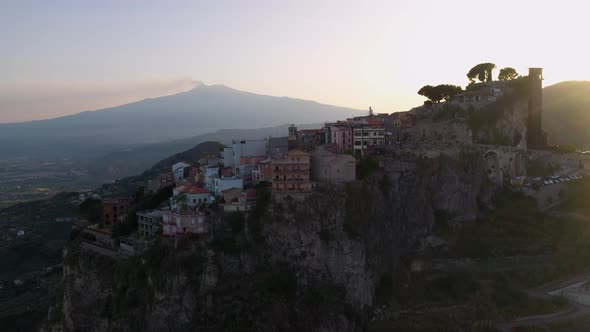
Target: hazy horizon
x,y
64,57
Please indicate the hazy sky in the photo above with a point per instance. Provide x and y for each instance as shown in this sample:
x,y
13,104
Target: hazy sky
x,y
60,57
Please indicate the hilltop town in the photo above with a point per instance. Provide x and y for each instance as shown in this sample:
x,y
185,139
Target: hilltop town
x,y
350,204
304,160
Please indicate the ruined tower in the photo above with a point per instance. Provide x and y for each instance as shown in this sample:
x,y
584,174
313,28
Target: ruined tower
x,y
535,135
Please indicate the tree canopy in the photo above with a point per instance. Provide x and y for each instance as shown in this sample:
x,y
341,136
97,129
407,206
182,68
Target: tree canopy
x,y
437,93
507,74
482,72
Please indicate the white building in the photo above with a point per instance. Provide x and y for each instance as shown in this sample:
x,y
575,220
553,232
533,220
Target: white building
x,y
368,137
209,173
228,157
221,184
149,222
179,170
190,196
233,155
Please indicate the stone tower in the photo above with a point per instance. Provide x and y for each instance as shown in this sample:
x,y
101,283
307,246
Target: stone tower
x,y
292,132
292,139
535,135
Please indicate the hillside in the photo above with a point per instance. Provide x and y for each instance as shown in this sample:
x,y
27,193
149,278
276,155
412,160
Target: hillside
x,y
129,185
201,110
566,111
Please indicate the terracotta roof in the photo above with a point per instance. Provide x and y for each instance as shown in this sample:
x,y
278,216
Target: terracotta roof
x,y
231,189
192,189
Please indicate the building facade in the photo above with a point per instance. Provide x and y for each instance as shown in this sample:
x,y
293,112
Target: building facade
x,y
368,134
341,135
190,196
309,139
149,222
224,183
263,171
243,203
160,182
183,222
291,172
115,209
328,167
181,170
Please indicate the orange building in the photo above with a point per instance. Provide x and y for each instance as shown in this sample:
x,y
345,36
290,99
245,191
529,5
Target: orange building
x,y
291,171
115,210
262,172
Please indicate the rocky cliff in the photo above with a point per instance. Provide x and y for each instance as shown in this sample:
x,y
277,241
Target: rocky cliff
x,y
310,263
503,122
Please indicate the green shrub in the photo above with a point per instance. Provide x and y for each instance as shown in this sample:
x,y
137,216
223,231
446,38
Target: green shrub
x,y
366,166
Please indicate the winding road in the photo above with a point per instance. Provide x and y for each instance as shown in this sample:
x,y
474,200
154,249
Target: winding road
x,y
576,309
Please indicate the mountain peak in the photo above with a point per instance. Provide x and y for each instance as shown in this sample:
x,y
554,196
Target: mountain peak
x,y
196,84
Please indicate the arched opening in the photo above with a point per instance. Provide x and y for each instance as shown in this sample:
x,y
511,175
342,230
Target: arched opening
x,y
492,166
519,164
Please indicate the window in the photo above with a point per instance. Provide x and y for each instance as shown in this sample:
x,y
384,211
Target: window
x,y
194,200
357,142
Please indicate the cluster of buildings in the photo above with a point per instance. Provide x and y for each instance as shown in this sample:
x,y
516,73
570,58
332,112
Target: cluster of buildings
x,y
289,164
293,164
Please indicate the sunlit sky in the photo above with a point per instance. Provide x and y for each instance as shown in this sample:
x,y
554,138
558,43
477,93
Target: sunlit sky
x,y
62,57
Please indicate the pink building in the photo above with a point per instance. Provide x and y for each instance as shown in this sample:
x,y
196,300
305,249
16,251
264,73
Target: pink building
x,y
185,222
342,137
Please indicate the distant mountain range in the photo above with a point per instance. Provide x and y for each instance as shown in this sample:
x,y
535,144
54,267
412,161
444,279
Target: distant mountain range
x,y
566,113
126,139
201,110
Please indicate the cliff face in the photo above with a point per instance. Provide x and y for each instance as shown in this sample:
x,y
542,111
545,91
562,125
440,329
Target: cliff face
x,y
504,122
296,263
512,125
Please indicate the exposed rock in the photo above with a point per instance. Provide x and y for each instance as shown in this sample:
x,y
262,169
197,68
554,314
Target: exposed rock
x,y
310,263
